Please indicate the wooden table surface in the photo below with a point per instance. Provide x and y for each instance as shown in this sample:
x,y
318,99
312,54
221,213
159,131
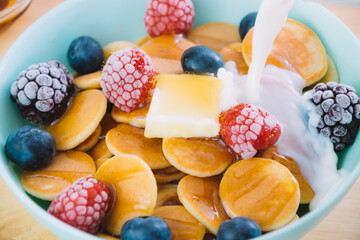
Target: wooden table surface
x,y
16,223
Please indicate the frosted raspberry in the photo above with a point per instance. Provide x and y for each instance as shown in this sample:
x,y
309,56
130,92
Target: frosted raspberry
x,y
168,16
127,78
82,205
247,128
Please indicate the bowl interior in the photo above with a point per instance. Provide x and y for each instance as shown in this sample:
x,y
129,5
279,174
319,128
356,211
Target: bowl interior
x,y
50,36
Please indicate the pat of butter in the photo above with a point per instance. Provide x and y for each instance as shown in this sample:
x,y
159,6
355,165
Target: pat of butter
x,y
184,105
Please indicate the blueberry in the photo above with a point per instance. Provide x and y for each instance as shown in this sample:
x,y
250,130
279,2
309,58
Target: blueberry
x,y
30,147
247,23
239,228
200,60
145,228
85,55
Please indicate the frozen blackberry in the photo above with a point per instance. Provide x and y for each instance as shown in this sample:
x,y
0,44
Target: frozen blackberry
x,y
42,91
339,108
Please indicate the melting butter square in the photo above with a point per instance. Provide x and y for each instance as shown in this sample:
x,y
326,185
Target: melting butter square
x,y
184,105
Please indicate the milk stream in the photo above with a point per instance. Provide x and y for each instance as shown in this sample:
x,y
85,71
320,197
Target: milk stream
x,y
280,92
270,19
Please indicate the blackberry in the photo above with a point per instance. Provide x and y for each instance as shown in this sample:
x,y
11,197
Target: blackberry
x,y
42,91
339,108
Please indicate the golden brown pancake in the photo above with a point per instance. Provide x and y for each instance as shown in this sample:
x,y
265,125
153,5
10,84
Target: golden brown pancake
x,y
167,46
80,120
100,151
200,196
306,192
91,141
116,46
167,175
135,118
64,169
262,190
181,223
196,156
166,51
330,76
167,195
297,48
135,187
215,35
233,52
294,219
164,65
331,73
126,139
100,161
88,81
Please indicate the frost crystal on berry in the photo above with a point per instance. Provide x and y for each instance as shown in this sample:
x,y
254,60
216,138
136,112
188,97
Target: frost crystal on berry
x,y
35,91
247,128
168,16
127,78
338,106
82,205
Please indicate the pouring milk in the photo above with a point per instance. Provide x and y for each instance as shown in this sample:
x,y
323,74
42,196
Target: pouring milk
x,y
280,92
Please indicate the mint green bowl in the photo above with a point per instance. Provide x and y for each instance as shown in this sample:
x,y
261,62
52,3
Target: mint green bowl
x,y
49,37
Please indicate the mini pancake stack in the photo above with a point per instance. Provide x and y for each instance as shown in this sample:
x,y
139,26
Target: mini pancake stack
x,y
262,190
135,189
194,184
65,168
75,133
296,48
306,193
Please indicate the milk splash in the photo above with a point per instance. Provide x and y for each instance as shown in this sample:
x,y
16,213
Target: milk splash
x,y
280,92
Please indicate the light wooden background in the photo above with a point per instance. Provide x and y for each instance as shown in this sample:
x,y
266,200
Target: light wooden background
x,y
16,223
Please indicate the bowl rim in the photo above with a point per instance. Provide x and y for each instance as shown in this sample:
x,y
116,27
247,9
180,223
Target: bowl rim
x,y
12,11
49,221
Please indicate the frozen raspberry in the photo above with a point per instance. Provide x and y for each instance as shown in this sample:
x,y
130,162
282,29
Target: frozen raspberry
x,y
127,78
42,91
168,16
82,205
247,128
339,107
